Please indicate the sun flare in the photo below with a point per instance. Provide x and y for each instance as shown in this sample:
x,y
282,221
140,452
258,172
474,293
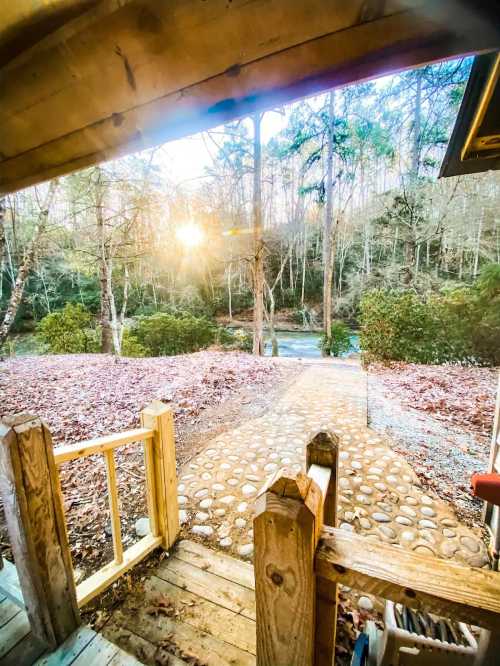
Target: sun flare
x,y
190,235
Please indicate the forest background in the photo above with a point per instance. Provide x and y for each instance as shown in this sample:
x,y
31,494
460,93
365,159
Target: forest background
x,y
336,215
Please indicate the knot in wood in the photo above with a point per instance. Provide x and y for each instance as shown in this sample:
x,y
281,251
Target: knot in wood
x,y
277,578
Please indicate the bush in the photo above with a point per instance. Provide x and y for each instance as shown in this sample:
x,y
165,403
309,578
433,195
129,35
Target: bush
x,y
163,334
457,326
131,347
340,340
236,339
396,326
69,331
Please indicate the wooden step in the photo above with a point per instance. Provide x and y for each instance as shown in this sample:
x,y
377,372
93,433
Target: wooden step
x,y
217,563
197,604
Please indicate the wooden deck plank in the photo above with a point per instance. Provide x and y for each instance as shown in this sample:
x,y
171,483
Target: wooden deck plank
x,y
207,585
443,587
13,631
9,584
24,653
97,653
121,658
204,615
7,611
217,563
184,639
144,649
69,650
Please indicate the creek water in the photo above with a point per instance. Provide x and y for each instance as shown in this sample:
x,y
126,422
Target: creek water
x,y
303,344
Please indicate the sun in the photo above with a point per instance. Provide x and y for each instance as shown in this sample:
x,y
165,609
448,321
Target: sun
x,y
190,235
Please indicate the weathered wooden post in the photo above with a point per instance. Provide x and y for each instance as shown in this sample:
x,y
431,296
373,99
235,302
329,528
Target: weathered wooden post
x,y
31,494
287,526
161,474
322,451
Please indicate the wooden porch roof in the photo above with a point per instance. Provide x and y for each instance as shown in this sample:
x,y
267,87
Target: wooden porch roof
x,y
82,81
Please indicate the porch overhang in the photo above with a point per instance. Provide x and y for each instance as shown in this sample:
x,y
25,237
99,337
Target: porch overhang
x,y
82,82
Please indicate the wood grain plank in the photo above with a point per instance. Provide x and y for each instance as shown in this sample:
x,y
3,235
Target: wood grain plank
x,y
14,631
149,468
103,578
148,91
96,653
121,658
63,454
203,615
182,638
323,451
114,505
27,651
220,591
69,650
143,649
8,610
443,587
217,563
285,541
30,490
10,585
161,459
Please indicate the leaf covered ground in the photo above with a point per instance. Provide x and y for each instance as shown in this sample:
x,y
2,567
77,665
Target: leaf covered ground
x,y
459,396
85,396
440,419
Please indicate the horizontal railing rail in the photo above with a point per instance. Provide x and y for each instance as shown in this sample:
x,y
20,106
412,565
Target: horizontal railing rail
x,y
89,447
443,587
300,557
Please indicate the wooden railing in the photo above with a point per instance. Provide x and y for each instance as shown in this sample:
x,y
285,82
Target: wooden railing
x,y
33,506
300,557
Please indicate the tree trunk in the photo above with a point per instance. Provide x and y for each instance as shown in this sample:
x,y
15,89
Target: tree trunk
x,y
126,285
417,127
478,244
2,243
258,262
105,319
270,319
27,264
229,292
304,262
328,227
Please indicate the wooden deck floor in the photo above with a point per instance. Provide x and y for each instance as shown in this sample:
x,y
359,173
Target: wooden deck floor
x,y
18,646
197,608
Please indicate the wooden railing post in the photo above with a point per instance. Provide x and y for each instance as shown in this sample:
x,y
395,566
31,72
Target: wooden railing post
x,y
33,507
161,474
288,512
322,450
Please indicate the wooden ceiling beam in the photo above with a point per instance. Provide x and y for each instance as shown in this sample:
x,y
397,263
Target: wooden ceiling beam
x,y
129,75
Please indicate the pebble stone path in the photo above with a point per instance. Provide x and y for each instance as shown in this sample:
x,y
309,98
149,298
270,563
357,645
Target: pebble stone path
x,y
379,494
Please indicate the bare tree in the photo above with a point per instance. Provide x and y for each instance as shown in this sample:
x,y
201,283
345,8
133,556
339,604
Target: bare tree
x,y
23,272
328,225
258,242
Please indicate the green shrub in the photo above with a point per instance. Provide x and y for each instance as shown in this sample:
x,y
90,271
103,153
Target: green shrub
x,y
458,326
163,334
69,331
396,326
131,347
236,339
340,340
